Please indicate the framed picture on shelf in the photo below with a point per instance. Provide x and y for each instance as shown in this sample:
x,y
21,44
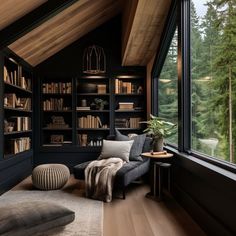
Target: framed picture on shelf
x,y
57,138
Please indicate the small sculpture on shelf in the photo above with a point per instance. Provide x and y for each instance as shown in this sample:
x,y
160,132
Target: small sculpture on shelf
x,y
8,126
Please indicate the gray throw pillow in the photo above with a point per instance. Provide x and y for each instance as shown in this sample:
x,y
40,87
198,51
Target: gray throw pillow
x,y
116,149
137,147
28,218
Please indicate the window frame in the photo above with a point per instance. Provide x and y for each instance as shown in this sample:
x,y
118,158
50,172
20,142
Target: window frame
x,y
179,16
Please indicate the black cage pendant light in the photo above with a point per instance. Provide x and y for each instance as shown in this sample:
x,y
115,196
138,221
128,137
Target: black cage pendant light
x,y
94,60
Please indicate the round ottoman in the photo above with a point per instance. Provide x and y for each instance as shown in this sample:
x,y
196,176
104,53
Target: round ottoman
x,y
50,176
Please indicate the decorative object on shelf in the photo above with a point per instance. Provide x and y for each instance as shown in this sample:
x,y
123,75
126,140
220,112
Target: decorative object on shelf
x,y
8,126
83,103
87,88
100,103
158,128
57,138
94,60
140,90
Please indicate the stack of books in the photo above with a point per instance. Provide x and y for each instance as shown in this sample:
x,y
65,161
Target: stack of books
x,y
57,123
54,105
126,105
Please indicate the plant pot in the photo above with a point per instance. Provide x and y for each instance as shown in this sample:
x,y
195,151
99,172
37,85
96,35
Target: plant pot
x,y
158,145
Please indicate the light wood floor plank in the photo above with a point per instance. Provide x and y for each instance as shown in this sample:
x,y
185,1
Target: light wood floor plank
x,y
138,215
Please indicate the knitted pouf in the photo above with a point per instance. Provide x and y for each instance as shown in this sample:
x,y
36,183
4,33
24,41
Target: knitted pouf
x,y
50,176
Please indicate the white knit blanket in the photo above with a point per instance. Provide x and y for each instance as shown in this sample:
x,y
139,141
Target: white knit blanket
x,y
99,178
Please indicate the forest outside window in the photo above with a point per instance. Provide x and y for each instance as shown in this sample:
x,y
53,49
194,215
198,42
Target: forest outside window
x,y
213,78
168,89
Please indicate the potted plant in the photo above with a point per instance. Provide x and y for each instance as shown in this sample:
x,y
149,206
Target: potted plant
x,y
159,129
100,103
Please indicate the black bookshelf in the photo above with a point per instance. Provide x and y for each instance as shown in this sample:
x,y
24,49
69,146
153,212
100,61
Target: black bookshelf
x,y
17,107
88,123
56,106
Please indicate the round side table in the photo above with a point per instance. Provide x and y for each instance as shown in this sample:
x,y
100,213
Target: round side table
x,y
158,160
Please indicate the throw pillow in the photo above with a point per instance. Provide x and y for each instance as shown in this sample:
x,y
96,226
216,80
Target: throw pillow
x,y
28,218
137,147
116,149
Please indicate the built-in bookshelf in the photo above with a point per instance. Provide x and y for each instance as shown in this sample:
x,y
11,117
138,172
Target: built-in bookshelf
x,y
130,102
92,110
83,111
56,107
17,107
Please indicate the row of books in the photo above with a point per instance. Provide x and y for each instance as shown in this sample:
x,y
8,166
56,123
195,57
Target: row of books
x,y
54,104
16,78
125,87
21,123
11,101
133,123
60,87
19,145
90,121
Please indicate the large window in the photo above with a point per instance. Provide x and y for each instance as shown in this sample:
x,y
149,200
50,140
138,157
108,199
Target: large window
x,y
213,78
168,89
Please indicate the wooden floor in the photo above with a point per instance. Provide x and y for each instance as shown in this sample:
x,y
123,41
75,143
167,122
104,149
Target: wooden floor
x,y
138,215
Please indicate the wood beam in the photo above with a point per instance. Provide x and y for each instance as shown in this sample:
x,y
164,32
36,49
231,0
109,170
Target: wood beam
x,y
32,20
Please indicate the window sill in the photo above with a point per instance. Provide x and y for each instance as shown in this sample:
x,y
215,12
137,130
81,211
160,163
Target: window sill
x,y
197,165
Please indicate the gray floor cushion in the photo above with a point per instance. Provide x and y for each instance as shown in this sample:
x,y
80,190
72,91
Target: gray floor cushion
x,y
28,218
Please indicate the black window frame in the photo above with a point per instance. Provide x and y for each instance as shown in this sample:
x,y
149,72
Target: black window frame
x,y
179,16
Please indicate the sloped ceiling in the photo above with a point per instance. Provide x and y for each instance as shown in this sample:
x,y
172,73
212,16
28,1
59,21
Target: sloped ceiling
x,y
12,10
143,23
64,28
142,26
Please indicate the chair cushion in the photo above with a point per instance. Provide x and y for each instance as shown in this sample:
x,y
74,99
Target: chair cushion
x,y
28,218
137,147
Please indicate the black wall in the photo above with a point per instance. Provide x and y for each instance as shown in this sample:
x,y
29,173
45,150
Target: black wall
x,y
207,192
68,63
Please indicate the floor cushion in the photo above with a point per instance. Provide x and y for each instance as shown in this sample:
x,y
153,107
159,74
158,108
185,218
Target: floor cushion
x,y
28,218
50,176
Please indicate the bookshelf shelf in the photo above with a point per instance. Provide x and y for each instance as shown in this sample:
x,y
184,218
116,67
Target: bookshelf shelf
x,y
129,94
129,111
93,111
93,94
93,129
17,132
8,156
15,87
57,94
53,129
17,110
56,111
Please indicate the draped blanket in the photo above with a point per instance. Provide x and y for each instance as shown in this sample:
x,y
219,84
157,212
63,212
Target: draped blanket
x,y
99,178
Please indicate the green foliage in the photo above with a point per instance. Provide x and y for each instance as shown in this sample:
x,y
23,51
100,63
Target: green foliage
x,y
159,128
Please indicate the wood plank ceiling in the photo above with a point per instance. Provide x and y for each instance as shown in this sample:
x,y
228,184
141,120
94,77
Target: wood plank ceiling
x,y
64,28
143,23
12,10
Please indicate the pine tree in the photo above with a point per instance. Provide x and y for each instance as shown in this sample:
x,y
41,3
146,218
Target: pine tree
x,y
225,71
